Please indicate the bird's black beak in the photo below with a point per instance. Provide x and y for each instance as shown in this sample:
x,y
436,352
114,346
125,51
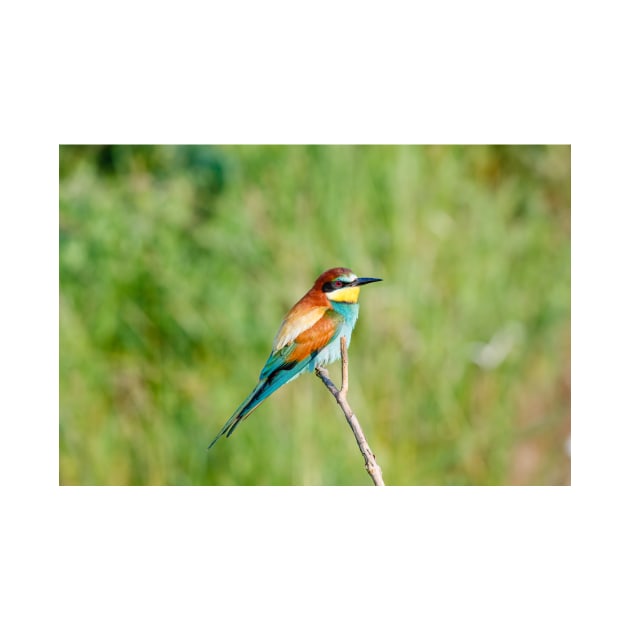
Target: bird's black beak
x,y
360,281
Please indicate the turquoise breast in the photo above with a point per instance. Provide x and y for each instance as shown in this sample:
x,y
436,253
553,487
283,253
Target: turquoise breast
x,y
332,352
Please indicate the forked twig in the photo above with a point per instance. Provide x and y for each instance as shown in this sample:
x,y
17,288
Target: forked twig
x,y
374,470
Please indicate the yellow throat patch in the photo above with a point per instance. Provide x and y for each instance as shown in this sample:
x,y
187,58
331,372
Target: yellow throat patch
x,y
347,294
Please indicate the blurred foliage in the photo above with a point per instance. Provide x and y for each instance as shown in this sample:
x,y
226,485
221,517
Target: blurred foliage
x,y
177,264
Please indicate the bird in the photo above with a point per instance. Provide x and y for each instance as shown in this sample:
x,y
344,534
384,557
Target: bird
x,y
308,337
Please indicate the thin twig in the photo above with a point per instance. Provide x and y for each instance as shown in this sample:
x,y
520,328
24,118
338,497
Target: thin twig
x,y
374,470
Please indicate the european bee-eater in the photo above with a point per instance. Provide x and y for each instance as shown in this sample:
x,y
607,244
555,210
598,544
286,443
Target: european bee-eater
x,y
308,337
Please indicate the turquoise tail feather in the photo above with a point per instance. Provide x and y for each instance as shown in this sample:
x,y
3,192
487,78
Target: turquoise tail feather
x,y
267,385
241,413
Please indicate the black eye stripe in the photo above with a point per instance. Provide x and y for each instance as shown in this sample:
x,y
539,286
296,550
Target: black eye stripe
x,y
333,285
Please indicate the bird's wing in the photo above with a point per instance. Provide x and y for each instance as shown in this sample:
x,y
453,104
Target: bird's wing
x,y
296,322
288,361
316,337
293,357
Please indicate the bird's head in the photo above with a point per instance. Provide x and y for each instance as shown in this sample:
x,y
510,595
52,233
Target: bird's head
x,y
341,285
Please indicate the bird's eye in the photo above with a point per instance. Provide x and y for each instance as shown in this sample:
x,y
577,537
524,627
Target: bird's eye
x,y
338,284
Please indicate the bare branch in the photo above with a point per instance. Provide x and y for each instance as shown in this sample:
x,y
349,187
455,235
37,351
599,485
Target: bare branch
x,y
344,368
374,470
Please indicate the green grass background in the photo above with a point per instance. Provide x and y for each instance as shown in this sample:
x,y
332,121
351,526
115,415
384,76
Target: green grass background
x,y
177,265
